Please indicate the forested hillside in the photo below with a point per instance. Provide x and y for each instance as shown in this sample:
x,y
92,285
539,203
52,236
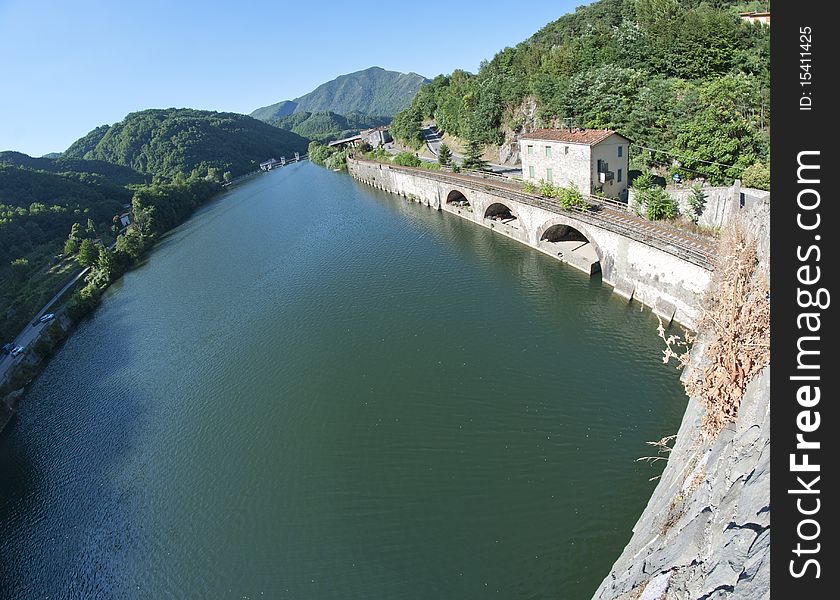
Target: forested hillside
x,y
373,91
322,126
40,201
165,142
682,77
163,163
37,207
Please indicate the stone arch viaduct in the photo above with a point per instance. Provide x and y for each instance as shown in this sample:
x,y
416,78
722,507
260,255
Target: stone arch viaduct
x,y
656,264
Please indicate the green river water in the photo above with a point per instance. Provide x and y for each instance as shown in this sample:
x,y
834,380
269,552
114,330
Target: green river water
x,y
312,389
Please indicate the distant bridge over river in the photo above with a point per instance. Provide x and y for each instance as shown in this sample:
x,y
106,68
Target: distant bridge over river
x,y
655,263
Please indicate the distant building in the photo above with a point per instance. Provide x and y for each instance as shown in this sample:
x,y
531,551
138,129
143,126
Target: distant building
x,y
592,160
377,136
756,17
269,164
125,220
348,141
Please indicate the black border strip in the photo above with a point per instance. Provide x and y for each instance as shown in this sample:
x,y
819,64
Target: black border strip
x,y
803,246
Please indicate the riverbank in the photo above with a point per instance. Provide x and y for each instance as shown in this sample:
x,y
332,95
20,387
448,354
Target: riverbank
x,y
41,343
706,530
350,372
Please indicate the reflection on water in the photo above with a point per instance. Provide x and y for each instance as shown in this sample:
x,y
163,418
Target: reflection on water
x,y
316,390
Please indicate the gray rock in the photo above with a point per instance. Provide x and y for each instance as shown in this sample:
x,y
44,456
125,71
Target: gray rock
x,y
656,588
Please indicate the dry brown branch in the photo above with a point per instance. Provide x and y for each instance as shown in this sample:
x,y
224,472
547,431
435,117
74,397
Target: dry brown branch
x,y
650,459
737,311
662,445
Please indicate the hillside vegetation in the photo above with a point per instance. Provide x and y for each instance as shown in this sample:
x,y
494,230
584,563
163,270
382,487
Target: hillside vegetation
x,y
324,126
162,164
373,91
682,77
40,200
165,142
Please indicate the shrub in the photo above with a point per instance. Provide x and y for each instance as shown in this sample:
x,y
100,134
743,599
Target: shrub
x,y
529,187
697,202
548,189
660,205
337,160
756,176
407,159
377,153
643,182
570,198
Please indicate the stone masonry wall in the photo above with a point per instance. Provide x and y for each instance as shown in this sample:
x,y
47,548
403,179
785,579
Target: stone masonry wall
x,y
721,203
671,286
705,533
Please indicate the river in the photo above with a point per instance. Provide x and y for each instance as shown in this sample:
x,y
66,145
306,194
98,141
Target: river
x,y
313,389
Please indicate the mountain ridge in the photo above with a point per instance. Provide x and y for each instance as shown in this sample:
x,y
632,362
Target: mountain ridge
x,y
371,91
179,140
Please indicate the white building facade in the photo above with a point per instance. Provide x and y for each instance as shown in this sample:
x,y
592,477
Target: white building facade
x,y
595,161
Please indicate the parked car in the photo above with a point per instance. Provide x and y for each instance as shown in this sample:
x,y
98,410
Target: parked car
x,y
16,350
47,317
7,349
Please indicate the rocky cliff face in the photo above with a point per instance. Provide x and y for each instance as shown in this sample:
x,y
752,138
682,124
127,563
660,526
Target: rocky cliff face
x,y
705,533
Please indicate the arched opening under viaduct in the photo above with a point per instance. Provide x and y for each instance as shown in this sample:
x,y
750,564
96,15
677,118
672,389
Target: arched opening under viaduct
x,y
457,198
572,246
500,213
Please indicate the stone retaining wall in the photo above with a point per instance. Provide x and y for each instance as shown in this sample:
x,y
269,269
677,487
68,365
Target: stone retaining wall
x,y
671,286
705,533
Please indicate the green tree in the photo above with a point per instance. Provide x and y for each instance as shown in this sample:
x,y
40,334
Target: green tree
x,y
71,246
20,269
88,253
473,157
444,155
406,127
697,202
722,140
103,269
131,243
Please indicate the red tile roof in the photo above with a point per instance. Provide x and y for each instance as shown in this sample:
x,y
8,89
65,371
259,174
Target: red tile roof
x,y
590,137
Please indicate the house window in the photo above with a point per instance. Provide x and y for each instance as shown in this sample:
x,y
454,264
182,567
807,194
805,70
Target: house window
x,y
620,151
600,166
548,151
565,150
618,177
531,172
530,149
549,175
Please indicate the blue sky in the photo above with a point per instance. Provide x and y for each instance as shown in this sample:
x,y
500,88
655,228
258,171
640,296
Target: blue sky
x,y
68,67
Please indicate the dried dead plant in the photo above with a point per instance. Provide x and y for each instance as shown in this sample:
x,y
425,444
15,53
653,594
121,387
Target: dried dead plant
x,y
737,313
662,447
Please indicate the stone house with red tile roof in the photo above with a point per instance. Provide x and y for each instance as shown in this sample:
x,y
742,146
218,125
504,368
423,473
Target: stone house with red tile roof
x,y
595,161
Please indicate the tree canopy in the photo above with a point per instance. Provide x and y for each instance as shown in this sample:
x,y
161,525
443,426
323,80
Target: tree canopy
x,y
165,142
687,78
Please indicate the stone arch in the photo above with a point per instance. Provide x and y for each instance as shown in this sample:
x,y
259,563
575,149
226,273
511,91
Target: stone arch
x,y
458,198
566,234
499,210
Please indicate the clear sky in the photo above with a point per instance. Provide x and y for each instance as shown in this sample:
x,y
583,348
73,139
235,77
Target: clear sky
x,y
69,66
